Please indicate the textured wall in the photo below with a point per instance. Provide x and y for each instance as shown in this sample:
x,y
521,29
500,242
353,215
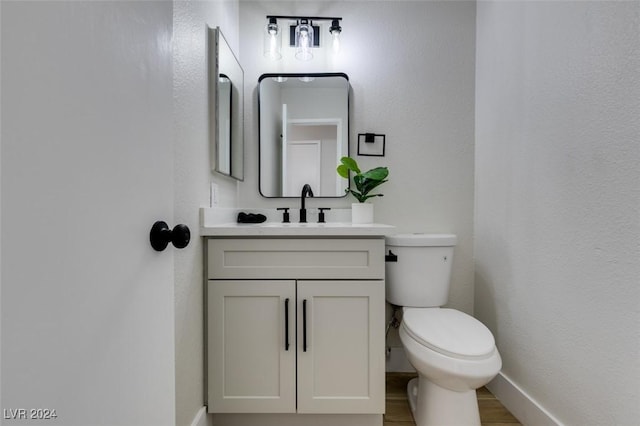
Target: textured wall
x,y
558,202
411,68
192,177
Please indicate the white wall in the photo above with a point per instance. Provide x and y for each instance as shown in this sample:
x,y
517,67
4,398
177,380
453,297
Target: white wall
x,y
193,174
411,68
557,203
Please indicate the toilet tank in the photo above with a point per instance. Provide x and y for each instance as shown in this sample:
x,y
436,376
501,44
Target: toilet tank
x,y
421,274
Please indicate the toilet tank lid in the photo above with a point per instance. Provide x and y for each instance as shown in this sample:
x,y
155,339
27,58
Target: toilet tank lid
x,y
422,240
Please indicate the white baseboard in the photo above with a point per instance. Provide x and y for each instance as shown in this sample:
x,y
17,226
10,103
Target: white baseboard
x,y
520,404
294,419
201,418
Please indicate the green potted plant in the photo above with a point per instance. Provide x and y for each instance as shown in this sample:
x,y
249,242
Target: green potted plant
x,y
362,212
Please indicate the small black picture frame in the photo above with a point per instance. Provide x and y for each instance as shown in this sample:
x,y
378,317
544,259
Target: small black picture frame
x,y
371,144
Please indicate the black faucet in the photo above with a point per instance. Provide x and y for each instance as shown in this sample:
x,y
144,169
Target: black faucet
x,y
306,191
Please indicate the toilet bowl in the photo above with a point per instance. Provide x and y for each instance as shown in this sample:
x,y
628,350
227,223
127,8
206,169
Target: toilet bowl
x,y
453,353
451,361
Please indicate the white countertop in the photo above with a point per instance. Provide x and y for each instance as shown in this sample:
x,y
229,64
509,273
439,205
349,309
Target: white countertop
x,y
216,222
275,229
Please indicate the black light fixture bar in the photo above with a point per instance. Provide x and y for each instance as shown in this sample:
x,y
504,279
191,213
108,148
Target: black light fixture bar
x,y
311,18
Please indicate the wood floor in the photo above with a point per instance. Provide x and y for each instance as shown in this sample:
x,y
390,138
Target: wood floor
x,y
492,413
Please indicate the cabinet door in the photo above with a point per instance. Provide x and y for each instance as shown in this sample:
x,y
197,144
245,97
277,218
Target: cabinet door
x,y
341,368
250,367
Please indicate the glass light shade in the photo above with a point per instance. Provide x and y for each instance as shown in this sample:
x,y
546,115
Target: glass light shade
x,y
335,31
335,41
304,40
272,40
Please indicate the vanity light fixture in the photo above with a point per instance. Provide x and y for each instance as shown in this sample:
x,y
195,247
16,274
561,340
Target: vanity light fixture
x,y
272,40
304,35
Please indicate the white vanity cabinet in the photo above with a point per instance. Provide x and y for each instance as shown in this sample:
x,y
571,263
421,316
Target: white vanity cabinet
x,y
295,325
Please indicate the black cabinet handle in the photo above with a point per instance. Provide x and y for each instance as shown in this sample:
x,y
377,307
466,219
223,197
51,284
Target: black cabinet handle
x,y
304,325
286,324
160,236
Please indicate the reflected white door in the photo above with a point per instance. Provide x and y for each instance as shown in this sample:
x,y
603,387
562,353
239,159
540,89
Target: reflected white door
x,y
87,305
302,166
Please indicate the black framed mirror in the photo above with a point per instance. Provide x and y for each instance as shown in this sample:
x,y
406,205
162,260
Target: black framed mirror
x,y
227,137
304,131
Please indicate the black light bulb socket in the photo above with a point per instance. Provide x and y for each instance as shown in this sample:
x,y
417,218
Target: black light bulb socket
x,y
272,27
335,26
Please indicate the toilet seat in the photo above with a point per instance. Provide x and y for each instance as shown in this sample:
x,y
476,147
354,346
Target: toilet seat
x,y
449,332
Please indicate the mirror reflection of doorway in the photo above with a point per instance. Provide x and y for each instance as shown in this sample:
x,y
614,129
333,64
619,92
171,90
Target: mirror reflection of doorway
x,y
309,156
302,166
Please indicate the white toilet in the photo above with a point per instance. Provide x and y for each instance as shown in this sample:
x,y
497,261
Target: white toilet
x,y
453,353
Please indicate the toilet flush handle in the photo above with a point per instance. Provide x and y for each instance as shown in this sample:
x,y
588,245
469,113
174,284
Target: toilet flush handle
x,y
391,257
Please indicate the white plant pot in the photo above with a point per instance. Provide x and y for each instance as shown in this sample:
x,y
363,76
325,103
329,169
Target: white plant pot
x,y
361,213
